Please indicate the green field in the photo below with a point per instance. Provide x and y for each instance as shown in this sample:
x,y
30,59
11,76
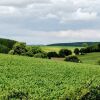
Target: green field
x,y
43,79
90,58
57,48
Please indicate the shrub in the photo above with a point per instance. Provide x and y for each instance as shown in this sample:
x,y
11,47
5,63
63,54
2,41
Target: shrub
x,y
64,52
36,49
88,91
52,54
29,53
92,94
72,59
40,55
16,96
76,51
32,50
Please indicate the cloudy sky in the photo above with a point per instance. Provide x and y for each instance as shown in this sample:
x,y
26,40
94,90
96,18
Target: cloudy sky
x,y
50,21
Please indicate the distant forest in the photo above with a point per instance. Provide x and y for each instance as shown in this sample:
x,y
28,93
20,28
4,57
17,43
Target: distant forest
x,y
74,44
6,45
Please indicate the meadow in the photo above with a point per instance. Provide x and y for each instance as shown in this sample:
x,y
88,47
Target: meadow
x,y
43,79
90,58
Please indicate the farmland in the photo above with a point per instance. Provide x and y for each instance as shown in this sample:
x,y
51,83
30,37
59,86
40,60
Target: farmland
x,y
57,48
43,78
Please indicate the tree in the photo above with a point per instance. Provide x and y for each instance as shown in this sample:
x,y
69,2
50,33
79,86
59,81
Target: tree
x,y
64,52
76,51
82,51
19,48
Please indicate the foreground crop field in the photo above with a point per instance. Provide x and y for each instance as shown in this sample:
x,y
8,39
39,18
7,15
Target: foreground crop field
x,y
42,79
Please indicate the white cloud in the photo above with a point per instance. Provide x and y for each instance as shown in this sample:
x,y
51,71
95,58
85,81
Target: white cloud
x,y
63,9
37,37
27,16
85,15
21,3
8,10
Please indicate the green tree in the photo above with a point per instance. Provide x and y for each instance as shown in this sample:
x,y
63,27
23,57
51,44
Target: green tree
x,y
82,51
52,54
64,52
19,48
76,51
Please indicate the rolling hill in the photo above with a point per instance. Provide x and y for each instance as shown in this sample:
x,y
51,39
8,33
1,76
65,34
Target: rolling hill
x,y
73,44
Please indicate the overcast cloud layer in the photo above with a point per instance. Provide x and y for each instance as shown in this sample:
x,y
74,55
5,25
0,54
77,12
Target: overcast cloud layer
x,y
50,21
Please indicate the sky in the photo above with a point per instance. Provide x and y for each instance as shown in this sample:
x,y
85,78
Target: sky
x,y
50,21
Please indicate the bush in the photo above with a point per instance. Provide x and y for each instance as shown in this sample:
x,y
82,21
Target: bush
x,y
29,53
52,54
16,96
64,52
32,50
72,59
76,51
92,94
36,49
40,55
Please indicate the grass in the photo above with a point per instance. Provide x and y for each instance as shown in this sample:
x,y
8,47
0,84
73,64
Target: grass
x,y
90,58
43,79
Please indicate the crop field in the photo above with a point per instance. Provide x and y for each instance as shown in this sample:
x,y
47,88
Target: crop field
x,y
57,48
43,79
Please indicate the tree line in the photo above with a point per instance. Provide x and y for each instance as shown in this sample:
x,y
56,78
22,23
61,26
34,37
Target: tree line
x,y
19,48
